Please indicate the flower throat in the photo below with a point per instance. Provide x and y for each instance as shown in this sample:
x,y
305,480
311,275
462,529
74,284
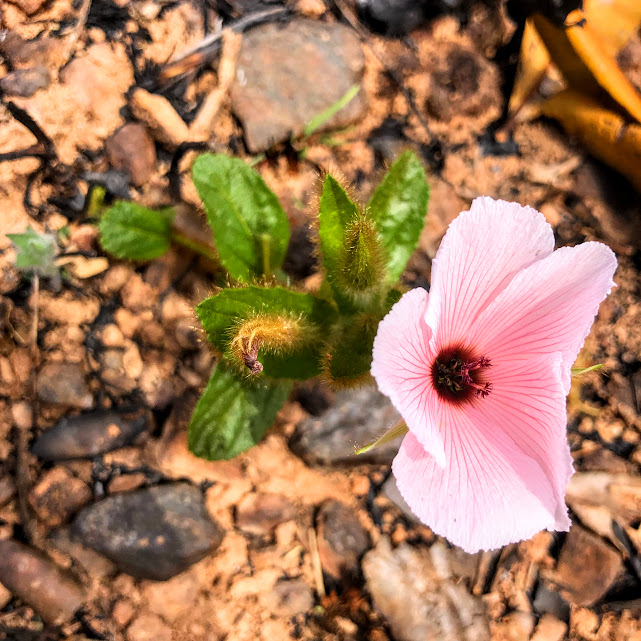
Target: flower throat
x,y
457,377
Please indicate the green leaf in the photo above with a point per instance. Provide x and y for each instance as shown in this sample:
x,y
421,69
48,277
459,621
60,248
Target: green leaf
x,y
233,413
336,212
221,315
128,230
251,230
577,371
394,432
36,252
318,121
398,206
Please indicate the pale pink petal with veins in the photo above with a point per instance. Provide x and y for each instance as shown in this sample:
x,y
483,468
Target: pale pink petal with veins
x,y
481,378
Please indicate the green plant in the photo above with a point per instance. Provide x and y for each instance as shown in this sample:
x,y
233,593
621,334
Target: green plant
x,y
266,333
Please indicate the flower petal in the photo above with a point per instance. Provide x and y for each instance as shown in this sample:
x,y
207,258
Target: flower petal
x,y
549,307
480,254
401,365
508,463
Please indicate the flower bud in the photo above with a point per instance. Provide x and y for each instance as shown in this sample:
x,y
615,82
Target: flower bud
x,y
362,260
271,333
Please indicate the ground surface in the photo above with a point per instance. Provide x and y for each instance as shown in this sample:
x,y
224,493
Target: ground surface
x,y
309,550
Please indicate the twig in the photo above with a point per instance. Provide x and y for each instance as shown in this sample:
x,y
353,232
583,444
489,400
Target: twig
x,y
205,51
23,477
200,128
49,150
73,37
316,564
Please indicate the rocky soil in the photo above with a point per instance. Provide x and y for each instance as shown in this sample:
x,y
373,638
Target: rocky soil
x,y
109,527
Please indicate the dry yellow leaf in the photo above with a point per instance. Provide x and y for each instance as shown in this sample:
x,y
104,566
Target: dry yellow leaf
x,y
611,24
614,22
600,64
605,133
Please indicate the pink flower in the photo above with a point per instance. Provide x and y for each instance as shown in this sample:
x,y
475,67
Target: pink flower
x,y
480,368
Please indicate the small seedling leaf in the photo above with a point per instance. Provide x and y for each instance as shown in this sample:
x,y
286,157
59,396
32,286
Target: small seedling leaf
x,y
128,230
36,252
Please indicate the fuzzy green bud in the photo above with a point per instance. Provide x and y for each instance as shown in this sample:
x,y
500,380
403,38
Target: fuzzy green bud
x,y
362,258
269,333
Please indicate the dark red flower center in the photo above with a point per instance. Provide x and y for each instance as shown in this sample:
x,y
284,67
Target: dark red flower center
x,y
459,376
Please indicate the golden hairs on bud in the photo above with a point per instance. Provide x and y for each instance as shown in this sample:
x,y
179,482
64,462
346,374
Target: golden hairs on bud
x,y
362,257
272,333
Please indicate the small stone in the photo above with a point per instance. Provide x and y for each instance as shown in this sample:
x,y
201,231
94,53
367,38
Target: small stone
x,y
417,603
7,490
342,540
149,627
515,626
58,496
29,6
259,514
550,628
288,598
287,75
311,8
64,384
391,492
171,599
356,418
137,295
153,533
132,361
123,612
547,600
585,583
90,434
126,482
113,371
132,150
156,112
94,565
176,307
24,54
22,415
39,583
602,460
111,336
25,82
619,493
5,596
94,78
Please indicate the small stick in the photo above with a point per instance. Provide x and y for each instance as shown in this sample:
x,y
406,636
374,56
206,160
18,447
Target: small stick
x,y
23,477
73,37
200,128
202,53
316,564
